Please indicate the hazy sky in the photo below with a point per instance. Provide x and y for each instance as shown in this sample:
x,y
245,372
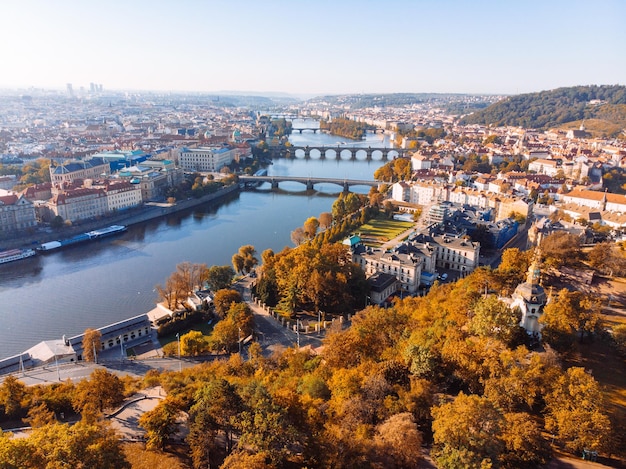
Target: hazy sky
x,y
313,47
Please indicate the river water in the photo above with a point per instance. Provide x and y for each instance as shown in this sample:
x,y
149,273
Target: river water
x,y
105,281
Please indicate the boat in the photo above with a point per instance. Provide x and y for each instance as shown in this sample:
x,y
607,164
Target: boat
x,y
109,231
52,245
15,255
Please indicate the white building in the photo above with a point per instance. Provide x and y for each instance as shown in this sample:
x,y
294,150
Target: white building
x,y
207,159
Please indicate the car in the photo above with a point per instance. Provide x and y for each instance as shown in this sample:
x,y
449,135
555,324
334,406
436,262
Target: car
x,y
444,276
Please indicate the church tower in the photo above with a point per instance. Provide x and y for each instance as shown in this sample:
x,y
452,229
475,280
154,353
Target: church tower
x,y
530,298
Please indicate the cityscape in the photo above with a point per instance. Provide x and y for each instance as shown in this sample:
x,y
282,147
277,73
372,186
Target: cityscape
x,y
277,235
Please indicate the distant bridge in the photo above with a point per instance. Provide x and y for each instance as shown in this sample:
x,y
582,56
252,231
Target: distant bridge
x,y
338,150
309,182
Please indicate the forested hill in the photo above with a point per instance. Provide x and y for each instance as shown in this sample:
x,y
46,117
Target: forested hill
x,y
556,108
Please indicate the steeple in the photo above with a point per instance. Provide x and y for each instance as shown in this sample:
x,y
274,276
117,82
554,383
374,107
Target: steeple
x,y
534,272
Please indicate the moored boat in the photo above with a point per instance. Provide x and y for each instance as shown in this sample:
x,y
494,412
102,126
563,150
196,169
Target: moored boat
x,y
109,231
15,255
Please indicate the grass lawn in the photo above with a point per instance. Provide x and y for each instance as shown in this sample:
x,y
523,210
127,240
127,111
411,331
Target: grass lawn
x,y
380,230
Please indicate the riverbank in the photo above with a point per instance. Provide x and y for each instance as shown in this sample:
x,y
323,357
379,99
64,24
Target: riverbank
x,y
148,211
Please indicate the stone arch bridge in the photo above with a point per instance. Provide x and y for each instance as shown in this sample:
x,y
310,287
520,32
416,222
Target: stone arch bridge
x,y
338,150
309,182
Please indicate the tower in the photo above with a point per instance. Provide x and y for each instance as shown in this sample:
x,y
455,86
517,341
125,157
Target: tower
x,y
530,298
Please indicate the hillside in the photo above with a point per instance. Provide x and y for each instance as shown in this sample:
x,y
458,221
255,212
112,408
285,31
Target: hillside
x,y
605,105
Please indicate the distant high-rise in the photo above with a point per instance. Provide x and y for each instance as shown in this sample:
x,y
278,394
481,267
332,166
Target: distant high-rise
x,y
70,90
92,87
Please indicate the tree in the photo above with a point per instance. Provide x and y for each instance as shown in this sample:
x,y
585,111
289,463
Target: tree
x,y
81,445
217,408
399,442
103,390
160,423
219,277
326,220
12,395
493,318
193,344
606,258
575,412
298,236
247,254
310,227
513,267
560,248
467,433
569,312
92,343
225,336
223,300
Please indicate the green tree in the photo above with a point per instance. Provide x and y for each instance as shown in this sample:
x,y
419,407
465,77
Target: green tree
x,y
493,318
219,277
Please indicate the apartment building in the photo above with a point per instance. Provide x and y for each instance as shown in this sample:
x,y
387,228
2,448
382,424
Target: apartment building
x,y
16,213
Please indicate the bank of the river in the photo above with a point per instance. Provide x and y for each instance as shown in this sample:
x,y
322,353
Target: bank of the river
x,y
146,212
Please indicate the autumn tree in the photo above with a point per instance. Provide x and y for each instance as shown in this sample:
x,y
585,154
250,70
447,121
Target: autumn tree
x,y
567,313
560,248
575,412
399,442
103,390
298,236
223,300
160,423
193,344
467,433
513,267
12,395
62,446
310,227
92,344
607,259
245,259
325,220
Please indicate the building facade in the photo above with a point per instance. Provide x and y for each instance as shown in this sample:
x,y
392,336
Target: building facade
x,y
16,213
205,159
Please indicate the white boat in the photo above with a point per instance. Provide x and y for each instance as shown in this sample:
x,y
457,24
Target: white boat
x,y
15,255
109,231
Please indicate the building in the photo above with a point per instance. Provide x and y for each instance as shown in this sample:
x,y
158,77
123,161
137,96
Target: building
x,y
95,168
115,335
78,204
16,213
120,194
530,298
207,159
451,252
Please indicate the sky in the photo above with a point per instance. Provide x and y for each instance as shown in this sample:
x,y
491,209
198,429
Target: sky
x,y
303,47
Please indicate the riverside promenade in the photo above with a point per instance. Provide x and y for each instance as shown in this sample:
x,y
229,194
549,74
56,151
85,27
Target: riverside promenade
x,y
146,212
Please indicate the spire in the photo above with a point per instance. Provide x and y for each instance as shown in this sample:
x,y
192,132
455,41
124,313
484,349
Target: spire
x,y
534,271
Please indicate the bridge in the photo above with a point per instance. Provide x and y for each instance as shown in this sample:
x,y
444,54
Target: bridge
x,y
386,153
309,182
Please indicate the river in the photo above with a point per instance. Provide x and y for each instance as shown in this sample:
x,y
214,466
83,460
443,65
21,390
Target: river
x,y
105,281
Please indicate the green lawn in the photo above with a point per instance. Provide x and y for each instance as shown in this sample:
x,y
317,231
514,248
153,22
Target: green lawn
x,y
380,230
